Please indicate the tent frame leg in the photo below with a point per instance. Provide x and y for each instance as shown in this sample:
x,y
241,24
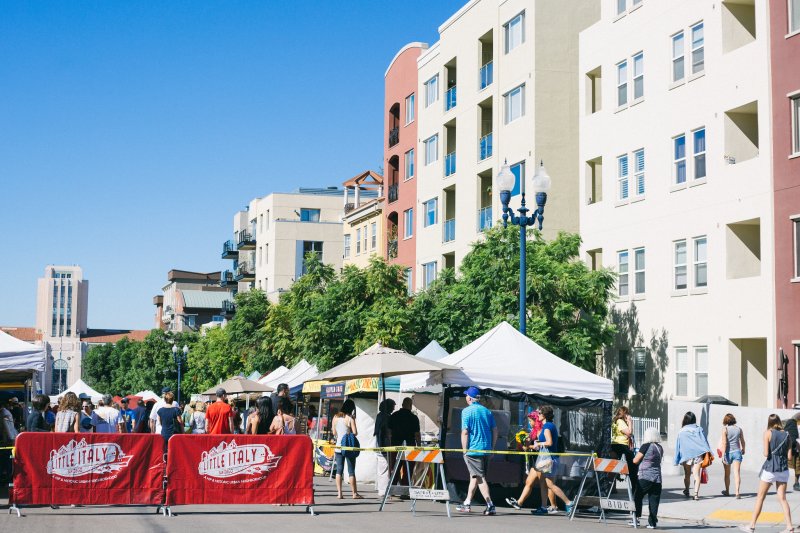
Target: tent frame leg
x,y
310,510
14,509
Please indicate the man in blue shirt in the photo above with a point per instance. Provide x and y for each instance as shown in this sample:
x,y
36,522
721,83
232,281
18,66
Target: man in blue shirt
x,y
128,415
478,432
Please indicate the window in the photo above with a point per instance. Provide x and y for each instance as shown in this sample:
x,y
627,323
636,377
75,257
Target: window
x,y
430,212
700,270
409,281
309,215
267,219
623,372
699,153
700,371
365,234
638,270
314,247
374,235
515,32
260,223
680,266
259,255
622,176
640,370
408,223
431,149
519,173
677,57
794,16
638,171
59,381
428,274
431,90
681,372
515,103
622,270
410,164
266,253
698,49
622,84
410,108
796,118
679,156
621,6
358,241
796,226
638,76
347,246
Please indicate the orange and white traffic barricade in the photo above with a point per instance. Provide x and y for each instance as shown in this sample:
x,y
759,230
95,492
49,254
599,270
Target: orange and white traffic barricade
x,y
422,486
603,500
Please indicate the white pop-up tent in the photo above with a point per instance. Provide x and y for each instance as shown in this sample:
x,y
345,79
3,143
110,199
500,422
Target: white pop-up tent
x,y
19,356
299,373
79,387
272,376
502,359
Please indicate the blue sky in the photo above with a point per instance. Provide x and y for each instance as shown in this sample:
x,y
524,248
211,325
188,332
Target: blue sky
x,y
130,132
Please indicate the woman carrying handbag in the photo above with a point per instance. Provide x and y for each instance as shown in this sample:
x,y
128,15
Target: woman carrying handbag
x,y
546,463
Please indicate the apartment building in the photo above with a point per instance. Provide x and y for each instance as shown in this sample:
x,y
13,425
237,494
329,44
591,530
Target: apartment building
x,y
785,61
363,220
273,236
676,196
400,158
191,299
499,85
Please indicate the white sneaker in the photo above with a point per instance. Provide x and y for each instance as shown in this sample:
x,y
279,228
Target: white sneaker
x,y
552,510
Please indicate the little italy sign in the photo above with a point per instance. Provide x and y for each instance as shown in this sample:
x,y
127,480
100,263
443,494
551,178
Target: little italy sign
x,y
78,459
252,461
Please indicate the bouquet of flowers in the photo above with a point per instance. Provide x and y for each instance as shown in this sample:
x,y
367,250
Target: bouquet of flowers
x,y
522,439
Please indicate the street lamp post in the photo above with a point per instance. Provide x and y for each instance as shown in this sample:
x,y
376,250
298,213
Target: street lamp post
x,y
179,357
541,184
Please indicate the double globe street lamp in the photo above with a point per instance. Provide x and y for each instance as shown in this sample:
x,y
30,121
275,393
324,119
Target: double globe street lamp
x,y
179,357
541,184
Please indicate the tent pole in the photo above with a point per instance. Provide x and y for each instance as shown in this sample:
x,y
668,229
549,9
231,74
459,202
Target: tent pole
x,y
383,386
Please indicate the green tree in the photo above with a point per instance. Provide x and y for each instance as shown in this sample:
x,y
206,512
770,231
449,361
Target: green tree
x,y
245,331
154,367
107,367
210,360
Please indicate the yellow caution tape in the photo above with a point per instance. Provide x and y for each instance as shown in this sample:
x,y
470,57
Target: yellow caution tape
x,y
325,443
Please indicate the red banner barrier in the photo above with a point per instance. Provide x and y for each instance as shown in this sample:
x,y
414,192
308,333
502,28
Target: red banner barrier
x,y
88,469
240,469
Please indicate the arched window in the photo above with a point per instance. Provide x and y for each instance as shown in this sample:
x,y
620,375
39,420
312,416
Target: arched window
x,y
60,367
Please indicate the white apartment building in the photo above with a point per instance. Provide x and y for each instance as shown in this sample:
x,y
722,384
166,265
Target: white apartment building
x,y
676,196
498,85
273,236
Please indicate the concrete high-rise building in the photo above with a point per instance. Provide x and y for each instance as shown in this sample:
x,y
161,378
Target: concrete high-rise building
x,y
273,236
499,85
676,196
62,302
784,23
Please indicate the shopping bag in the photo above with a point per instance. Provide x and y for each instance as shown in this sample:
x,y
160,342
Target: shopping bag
x,y
703,476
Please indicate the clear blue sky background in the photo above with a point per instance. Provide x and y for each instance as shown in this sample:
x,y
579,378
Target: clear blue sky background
x,y
131,132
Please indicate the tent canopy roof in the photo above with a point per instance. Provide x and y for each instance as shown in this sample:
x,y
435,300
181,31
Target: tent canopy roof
x,y
238,385
379,360
19,356
80,387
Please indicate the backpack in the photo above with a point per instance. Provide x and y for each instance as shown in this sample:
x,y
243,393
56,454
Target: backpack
x,y
349,440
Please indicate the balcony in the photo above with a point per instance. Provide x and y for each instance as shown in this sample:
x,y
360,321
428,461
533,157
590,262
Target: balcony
x,y
228,308
394,136
244,272
226,279
229,250
484,218
487,75
449,230
450,164
391,248
349,206
394,192
246,241
450,98
485,147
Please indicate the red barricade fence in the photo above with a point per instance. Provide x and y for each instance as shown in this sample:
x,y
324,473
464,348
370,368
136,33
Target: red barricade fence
x,y
88,469
240,469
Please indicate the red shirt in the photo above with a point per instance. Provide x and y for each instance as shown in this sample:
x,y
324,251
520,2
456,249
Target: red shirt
x,y
218,415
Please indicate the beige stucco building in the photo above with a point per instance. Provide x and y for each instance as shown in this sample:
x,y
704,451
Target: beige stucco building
x,y
272,237
363,220
500,84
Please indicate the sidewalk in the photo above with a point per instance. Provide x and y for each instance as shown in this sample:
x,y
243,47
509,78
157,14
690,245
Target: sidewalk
x,y
714,508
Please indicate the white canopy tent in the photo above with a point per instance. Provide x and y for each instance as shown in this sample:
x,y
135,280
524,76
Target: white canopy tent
x,y
272,376
299,373
503,359
19,356
433,352
79,387
148,396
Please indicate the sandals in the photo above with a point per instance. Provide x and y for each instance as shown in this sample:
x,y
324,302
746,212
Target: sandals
x,y
358,497
686,492
696,497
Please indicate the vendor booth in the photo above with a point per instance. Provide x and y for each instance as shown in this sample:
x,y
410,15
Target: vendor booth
x,y
19,362
79,387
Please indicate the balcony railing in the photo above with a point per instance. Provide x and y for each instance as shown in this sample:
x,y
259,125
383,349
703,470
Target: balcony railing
x,y
394,136
349,207
245,272
228,308
487,75
226,278
484,218
450,164
246,241
391,248
229,250
485,146
449,230
450,98
394,191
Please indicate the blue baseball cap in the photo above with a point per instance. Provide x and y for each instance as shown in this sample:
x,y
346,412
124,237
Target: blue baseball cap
x,y
166,390
472,392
